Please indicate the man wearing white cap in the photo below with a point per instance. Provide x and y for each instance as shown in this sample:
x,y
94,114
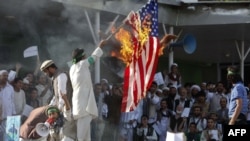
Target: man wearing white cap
x,y
172,96
6,101
194,90
173,76
61,86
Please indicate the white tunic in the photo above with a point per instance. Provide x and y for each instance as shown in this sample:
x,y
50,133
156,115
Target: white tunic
x,y
20,101
7,101
83,100
45,98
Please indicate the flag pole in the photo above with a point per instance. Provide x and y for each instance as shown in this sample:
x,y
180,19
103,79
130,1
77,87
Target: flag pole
x,y
116,30
112,24
164,28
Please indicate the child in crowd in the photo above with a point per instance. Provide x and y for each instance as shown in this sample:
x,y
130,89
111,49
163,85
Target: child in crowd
x,y
211,133
192,134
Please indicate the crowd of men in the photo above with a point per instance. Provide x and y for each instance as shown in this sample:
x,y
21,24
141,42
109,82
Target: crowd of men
x,y
161,111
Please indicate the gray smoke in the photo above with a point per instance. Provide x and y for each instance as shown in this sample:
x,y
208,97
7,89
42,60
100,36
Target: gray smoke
x,y
56,28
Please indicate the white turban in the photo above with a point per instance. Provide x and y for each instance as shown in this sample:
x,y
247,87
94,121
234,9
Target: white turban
x,y
12,75
195,87
174,64
159,90
105,80
3,71
173,86
165,88
25,80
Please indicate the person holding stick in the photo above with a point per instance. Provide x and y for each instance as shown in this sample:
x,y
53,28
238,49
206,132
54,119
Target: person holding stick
x,y
84,107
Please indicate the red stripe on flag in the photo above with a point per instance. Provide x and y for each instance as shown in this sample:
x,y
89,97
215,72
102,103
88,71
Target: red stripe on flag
x,y
139,75
139,80
152,62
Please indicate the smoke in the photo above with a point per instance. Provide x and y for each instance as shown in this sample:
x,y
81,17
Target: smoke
x,y
56,28
60,48
75,33
226,12
21,22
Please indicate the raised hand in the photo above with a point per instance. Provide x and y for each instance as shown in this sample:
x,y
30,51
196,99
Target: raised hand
x,y
102,43
167,38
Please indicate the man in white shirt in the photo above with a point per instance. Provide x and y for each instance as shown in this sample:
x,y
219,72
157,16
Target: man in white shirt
x,y
6,100
215,100
61,86
44,90
84,107
19,97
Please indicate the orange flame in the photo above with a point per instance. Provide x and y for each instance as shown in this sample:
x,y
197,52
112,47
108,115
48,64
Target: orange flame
x,y
161,50
128,46
115,54
125,38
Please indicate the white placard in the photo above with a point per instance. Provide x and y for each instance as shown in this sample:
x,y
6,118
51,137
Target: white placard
x,y
185,112
214,134
158,78
157,129
30,51
13,124
175,136
26,110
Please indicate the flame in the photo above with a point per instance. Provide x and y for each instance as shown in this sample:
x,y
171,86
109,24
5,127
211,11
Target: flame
x,y
143,32
161,50
125,38
115,54
130,47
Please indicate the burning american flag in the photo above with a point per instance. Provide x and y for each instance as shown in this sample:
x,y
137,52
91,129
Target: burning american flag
x,y
140,51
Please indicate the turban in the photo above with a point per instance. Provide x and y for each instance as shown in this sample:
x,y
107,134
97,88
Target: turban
x,y
3,71
174,64
105,80
165,88
12,75
195,87
173,86
159,90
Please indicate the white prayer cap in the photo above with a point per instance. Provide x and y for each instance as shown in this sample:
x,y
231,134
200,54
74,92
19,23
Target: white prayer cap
x,y
46,64
159,90
195,87
165,88
204,83
173,86
3,71
12,75
104,80
174,64
25,81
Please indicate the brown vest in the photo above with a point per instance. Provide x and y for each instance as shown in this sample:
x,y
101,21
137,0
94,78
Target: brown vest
x,y
68,88
69,127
